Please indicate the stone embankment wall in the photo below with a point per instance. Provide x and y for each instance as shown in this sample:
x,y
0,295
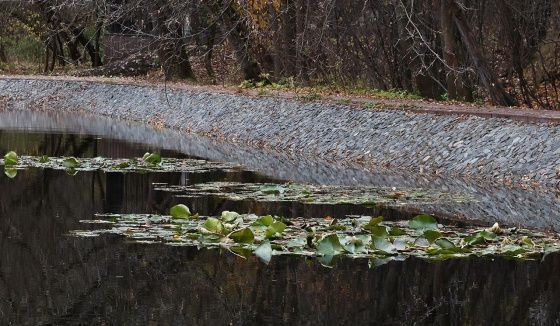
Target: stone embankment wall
x,y
454,145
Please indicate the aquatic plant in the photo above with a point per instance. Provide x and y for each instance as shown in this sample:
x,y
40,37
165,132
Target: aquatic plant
x,y
314,194
151,162
325,238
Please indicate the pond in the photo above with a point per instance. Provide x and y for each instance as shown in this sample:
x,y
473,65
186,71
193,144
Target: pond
x,y
55,268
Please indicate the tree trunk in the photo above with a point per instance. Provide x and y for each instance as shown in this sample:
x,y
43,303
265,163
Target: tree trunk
x,y
210,40
203,29
93,54
60,45
301,12
456,88
285,40
172,53
239,40
493,86
3,57
424,79
98,26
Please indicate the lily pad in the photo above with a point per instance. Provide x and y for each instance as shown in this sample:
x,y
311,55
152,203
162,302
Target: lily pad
x,y
384,245
11,158
423,223
71,163
330,246
275,230
152,158
432,235
264,252
243,236
315,194
180,211
228,216
266,220
214,225
356,244
272,189
480,237
313,237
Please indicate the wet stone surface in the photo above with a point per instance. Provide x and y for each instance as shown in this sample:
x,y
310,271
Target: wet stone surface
x,y
375,138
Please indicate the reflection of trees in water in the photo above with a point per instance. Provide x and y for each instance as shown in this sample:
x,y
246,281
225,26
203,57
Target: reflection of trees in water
x,y
38,262
48,278
39,266
177,285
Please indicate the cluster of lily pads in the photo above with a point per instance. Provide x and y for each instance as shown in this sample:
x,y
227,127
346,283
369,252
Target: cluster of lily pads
x,y
313,194
326,238
150,162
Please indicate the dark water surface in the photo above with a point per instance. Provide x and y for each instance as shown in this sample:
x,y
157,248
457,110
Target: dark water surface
x,y
49,278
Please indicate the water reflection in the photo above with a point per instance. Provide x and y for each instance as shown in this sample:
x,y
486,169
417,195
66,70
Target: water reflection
x,y
47,277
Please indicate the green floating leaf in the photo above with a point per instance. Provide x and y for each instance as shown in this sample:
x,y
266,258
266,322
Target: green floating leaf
x,y
122,165
487,235
447,249
480,237
384,245
375,220
396,231
275,230
71,163
356,244
512,250
10,172
243,236
10,158
378,231
152,158
423,223
265,220
421,242
272,189
264,252
526,241
373,223
213,225
298,243
311,237
206,239
400,243
335,226
432,235
228,216
330,246
44,159
180,211
445,243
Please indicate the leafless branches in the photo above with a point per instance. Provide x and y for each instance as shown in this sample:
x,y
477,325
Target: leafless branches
x,y
506,51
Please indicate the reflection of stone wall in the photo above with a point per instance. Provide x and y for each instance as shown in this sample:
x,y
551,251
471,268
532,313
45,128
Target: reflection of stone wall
x,y
47,277
536,208
119,46
104,281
